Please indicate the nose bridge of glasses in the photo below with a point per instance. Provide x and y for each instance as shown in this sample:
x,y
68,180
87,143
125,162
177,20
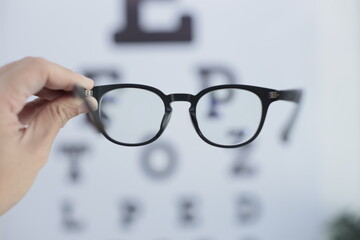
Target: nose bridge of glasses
x,y
181,97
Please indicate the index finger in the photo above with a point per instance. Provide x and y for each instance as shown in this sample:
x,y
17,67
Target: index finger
x,y
28,76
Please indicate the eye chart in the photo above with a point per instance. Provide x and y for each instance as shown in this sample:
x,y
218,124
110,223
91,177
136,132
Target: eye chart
x,y
178,187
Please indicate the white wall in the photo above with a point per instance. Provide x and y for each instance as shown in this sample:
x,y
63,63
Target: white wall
x,y
339,58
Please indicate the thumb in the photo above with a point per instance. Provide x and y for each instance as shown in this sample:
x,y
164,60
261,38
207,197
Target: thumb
x,y
47,123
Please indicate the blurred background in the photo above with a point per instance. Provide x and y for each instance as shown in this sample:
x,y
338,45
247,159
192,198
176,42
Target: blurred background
x,y
179,187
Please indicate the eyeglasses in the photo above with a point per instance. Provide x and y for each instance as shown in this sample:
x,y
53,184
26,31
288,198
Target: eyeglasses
x,y
226,116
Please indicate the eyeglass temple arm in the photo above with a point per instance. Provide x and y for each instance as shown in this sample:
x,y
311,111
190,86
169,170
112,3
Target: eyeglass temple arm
x,y
79,92
292,96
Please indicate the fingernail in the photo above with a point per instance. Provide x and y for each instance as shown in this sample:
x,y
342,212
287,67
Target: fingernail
x,y
90,81
81,105
83,108
91,102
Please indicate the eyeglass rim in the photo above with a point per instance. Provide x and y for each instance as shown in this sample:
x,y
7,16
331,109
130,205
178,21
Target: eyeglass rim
x,y
261,92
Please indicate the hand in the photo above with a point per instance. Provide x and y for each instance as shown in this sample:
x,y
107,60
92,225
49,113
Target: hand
x,y
27,130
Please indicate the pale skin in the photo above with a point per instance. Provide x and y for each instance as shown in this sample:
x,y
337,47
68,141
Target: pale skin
x,y
28,129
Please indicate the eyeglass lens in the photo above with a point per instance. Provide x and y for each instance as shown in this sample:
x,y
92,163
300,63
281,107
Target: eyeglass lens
x,y
131,115
229,116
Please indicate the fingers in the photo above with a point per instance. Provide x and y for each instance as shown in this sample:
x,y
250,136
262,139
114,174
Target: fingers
x,y
30,75
5,67
52,116
50,94
31,109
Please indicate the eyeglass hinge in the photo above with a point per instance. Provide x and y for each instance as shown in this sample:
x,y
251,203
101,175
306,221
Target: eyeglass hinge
x,y
88,92
273,95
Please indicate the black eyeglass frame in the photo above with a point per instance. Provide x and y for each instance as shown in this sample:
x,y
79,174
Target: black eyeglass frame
x,y
266,96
